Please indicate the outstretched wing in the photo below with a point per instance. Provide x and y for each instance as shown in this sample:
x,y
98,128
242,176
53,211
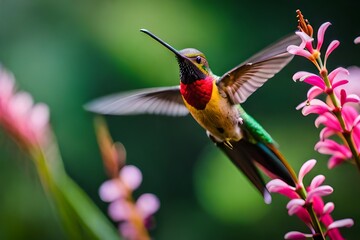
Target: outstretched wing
x,y
161,101
240,82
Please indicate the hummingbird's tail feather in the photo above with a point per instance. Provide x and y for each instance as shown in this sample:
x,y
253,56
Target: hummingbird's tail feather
x,y
247,156
272,162
244,160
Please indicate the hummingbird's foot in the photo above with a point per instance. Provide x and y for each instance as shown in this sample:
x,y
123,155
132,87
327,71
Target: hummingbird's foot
x,y
240,120
228,144
219,141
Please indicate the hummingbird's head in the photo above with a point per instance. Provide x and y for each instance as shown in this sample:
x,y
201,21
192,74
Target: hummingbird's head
x,y
193,64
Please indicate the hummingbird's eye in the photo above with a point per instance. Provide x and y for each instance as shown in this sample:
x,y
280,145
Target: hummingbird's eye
x,y
198,59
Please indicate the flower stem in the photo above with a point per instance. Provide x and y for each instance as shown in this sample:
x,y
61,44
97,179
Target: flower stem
x,y
351,144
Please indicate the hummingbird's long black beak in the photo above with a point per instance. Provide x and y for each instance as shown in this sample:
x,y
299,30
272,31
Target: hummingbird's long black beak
x,y
189,72
165,44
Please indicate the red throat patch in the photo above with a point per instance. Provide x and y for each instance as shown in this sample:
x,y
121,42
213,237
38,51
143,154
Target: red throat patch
x,y
197,93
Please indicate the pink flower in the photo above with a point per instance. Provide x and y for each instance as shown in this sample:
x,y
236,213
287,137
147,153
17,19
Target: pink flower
x,y
27,122
132,217
129,179
306,49
314,193
357,40
338,112
339,153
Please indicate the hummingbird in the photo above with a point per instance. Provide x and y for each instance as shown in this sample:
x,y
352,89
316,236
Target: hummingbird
x,y
215,103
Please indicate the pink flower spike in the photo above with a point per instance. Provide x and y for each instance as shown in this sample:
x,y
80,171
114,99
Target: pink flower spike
x,y
295,235
131,176
348,222
321,33
306,168
332,46
357,40
147,204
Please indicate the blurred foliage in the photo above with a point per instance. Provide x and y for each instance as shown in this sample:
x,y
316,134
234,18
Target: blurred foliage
x,y
68,52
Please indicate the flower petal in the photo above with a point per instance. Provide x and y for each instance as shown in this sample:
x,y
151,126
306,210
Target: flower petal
x,y
319,191
301,75
332,46
316,106
348,222
329,120
314,92
131,176
128,231
326,132
294,206
321,33
119,210
7,86
306,167
295,235
147,204
328,208
111,190
357,40
335,160
38,121
279,186
339,83
317,181
330,147
298,51
315,81
335,72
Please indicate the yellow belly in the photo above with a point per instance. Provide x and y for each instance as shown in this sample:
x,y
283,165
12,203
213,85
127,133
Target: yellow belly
x,y
219,117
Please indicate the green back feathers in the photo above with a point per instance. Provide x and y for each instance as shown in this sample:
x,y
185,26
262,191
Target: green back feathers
x,y
255,130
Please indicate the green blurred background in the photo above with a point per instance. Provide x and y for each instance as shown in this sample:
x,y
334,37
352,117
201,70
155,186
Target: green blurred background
x,y
68,52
